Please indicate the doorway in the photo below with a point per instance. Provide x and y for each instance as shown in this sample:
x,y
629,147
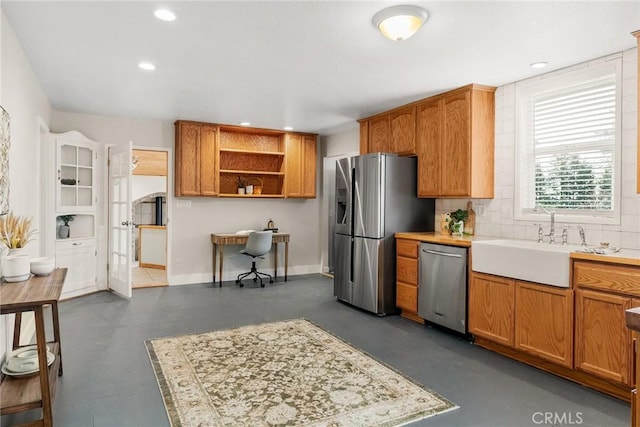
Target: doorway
x,y
150,217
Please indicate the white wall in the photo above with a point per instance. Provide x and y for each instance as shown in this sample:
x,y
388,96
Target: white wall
x,y
194,219
25,101
495,217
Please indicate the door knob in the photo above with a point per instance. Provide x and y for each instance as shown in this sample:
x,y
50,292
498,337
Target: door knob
x,y
125,223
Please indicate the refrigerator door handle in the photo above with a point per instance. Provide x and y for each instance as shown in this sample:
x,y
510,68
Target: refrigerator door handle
x,y
441,253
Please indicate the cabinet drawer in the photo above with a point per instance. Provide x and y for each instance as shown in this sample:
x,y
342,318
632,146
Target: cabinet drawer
x,y
603,276
62,245
407,297
407,248
407,270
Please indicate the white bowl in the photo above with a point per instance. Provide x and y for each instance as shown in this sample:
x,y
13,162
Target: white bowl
x,y
43,266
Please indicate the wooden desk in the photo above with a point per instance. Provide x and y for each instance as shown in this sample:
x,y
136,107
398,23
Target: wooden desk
x,y
36,391
222,239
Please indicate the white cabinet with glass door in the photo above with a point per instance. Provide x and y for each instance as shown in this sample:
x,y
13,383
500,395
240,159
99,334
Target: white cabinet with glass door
x,y
76,167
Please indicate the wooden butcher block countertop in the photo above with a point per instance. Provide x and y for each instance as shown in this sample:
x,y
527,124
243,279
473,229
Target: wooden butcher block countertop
x,y
442,239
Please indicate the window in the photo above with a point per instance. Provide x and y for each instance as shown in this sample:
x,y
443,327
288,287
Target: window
x,y
567,146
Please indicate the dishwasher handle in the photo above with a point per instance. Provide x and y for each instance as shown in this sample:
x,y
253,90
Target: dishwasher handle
x,y
429,251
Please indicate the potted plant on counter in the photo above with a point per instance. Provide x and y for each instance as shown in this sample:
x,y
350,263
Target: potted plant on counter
x,y
456,224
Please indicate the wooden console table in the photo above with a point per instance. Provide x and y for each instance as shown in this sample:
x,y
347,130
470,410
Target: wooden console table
x,y
222,239
38,390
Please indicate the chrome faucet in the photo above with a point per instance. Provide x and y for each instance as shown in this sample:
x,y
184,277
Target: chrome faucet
x,y
552,227
582,237
540,235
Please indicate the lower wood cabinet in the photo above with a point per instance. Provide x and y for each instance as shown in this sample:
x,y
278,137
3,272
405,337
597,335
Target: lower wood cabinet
x,y
581,330
407,278
603,342
491,308
544,322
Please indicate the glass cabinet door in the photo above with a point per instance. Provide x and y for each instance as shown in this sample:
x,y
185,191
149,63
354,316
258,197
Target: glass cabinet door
x,y
76,177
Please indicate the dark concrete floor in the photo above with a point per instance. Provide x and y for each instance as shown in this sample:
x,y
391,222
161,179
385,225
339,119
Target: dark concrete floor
x,y
108,379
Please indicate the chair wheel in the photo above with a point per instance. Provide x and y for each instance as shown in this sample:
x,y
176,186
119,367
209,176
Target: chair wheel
x,y
241,284
237,281
262,285
255,280
271,281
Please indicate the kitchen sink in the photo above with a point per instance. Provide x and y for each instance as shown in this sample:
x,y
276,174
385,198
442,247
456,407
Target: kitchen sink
x,y
523,259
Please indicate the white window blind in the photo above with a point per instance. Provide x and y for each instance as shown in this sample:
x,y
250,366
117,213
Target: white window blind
x,y
568,140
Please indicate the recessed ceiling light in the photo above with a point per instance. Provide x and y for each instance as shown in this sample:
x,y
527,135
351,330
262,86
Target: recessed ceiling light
x,y
147,66
245,124
540,64
288,128
165,15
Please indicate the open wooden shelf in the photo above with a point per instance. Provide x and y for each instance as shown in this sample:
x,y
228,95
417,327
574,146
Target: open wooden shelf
x,y
244,172
23,394
253,196
261,153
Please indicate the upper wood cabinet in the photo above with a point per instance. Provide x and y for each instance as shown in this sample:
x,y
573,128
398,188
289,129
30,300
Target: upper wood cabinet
x,y
195,159
379,135
301,159
403,131
429,141
394,132
452,134
455,143
217,160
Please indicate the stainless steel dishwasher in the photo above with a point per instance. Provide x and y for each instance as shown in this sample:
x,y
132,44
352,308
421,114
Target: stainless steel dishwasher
x,y
442,294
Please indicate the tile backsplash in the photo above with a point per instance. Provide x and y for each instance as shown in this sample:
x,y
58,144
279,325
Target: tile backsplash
x,y
495,217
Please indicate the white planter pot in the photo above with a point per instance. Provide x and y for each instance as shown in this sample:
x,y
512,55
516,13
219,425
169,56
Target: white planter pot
x,y
16,268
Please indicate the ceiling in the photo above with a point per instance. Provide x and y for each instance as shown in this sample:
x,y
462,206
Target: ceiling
x,y
314,65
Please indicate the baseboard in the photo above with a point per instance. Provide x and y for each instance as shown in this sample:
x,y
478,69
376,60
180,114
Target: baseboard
x,y
81,292
190,279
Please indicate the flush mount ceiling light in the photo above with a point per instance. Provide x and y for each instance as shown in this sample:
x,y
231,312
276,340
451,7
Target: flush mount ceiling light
x,y
245,124
165,15
540,64
400,22
288,128
147,66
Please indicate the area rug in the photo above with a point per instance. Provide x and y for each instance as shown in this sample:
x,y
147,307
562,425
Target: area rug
x,y
283,373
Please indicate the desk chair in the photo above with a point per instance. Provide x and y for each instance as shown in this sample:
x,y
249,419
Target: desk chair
x,y
258,244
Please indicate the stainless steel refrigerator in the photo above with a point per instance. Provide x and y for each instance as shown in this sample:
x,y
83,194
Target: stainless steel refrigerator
x,y
375,198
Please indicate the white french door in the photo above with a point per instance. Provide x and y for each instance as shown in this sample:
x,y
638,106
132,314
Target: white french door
x,y
120,219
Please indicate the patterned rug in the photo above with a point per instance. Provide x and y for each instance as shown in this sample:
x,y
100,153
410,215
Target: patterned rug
x,y
283,373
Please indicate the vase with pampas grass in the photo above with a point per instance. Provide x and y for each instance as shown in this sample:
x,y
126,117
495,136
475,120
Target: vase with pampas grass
x,y
15,233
